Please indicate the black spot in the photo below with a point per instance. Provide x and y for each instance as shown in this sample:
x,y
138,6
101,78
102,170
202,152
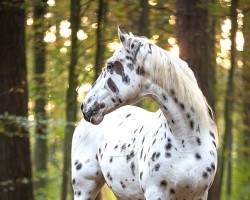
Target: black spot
x,y
172,191
128,157
116,146
172,92
78,193
164,97
154,141
197,156
123,147
140,71
112,86
205,175
113,100
157,167
141,129
212,134
153,156
182,106
188,115
79,166
198,129
141,153
163,183
191,123
122,184
122,38
128,115
102,105
168,146
209,169
111,159
73,181
150,48
158,155
132,167
130,66
198,140
165,107
214,143
167,154
141,175
76,162
212,166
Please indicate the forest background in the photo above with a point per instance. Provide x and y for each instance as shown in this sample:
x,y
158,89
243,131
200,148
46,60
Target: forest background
x,y
52,51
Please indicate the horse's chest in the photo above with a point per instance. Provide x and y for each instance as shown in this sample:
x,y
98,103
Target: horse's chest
x,y
119,162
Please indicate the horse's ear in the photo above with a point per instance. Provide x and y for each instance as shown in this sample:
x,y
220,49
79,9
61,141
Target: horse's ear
x,y
123,36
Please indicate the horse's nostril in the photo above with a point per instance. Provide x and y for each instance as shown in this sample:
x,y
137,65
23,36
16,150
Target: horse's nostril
x,y
86,117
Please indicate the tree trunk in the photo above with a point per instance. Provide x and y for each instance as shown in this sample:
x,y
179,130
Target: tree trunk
x,y
100,39
143,24
40,152
15,165
71,98
229,100
194,43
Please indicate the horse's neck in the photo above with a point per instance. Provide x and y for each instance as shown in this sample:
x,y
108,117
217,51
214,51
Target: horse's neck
x,y
181,117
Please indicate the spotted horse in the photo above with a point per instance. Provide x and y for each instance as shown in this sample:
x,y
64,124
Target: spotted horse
x,y
170,154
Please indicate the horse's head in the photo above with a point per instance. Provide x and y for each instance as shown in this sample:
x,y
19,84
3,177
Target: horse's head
x,y
121,81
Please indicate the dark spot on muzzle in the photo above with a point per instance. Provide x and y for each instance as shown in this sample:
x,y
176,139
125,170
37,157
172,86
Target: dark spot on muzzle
x,y
92,111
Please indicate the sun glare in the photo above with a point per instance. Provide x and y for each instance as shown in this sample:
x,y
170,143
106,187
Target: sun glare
x,y
82,90
113,45
223,58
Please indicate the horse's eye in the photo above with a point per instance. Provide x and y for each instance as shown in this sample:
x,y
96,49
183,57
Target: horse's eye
x,y
110,65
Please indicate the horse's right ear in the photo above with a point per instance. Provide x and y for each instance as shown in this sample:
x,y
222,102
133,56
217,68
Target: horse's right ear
x,y
123,36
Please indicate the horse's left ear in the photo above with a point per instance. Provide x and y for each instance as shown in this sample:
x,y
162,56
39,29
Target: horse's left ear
x,y
123,36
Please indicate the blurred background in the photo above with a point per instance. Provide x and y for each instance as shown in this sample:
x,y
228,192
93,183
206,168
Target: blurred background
x,y
52,51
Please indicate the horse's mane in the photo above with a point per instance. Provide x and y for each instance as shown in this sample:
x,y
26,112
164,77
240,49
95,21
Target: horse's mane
x,y
174,76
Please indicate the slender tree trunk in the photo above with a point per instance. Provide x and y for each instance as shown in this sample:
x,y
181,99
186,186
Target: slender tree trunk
x,y
71,98
229,97
40,152
15,164
193,39
143,24
100,39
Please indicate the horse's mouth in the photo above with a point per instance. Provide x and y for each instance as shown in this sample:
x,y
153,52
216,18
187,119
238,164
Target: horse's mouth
x,y
93,118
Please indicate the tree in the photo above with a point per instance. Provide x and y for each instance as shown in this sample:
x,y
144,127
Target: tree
x,y
71,98
40,152
15,164
143,24
194,43
100,39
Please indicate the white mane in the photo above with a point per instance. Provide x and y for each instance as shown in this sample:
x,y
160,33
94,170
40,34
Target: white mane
x,y
173,74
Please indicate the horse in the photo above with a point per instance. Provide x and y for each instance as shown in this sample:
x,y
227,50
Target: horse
x,y
170,154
